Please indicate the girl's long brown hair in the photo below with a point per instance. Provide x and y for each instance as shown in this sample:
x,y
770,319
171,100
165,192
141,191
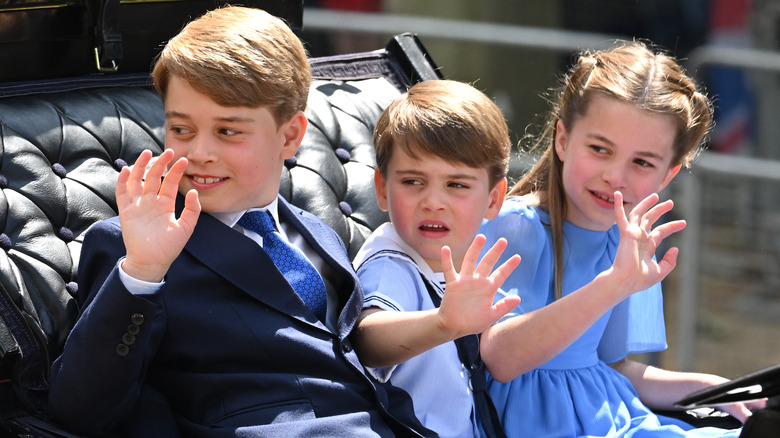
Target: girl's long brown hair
x,y
630,72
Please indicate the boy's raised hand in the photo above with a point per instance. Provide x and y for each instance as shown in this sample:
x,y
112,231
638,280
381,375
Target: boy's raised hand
x,y
467,306
639,242
152,234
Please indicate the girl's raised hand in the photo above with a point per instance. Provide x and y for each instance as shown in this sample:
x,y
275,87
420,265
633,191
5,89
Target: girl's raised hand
x,y
467,306
639,242
146,201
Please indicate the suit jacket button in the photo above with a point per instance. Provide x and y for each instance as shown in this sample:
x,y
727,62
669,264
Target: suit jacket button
x,y
346,346
133,329
122,349
137,319
128,339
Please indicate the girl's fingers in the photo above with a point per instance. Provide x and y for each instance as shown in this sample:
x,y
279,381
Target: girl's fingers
x,y
620,212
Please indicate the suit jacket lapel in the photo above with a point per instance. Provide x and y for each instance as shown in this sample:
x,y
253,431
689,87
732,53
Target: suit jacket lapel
x,y
328,246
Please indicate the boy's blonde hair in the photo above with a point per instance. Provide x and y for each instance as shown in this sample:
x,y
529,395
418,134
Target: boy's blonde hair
x,y
630,72
239,56
448,119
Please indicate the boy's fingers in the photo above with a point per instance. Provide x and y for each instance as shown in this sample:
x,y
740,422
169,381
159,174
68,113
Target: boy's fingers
x,y
170,184
446,265
503,272
189,216
506,305
153,175
469,264
491,257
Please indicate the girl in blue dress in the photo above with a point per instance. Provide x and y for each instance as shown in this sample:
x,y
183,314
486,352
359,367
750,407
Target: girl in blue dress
x,y
625,122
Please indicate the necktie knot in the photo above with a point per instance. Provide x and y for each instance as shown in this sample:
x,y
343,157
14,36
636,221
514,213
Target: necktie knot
x,y
295,267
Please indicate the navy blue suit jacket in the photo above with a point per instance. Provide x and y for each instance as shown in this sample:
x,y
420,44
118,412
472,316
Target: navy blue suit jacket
x,y
226,341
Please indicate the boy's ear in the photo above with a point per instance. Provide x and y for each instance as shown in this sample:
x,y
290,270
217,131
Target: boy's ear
x,y
561,137
497,194
381,190
293,131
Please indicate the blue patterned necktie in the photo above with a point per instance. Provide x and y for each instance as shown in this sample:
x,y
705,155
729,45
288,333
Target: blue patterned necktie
x,y
295,267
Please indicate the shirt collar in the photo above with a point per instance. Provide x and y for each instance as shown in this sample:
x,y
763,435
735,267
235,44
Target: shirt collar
x,y
230,219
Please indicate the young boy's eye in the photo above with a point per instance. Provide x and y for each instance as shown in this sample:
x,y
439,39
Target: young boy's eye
x,y
598,149
229,132
458,185
179,130
411,181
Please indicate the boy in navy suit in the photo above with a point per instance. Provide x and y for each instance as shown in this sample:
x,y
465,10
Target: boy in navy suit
x,y
182,296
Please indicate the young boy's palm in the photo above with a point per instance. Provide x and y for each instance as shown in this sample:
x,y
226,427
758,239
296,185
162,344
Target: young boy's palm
x,y
152,235
467,306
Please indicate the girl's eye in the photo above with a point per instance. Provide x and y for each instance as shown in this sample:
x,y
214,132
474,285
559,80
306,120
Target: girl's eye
x,y
643,163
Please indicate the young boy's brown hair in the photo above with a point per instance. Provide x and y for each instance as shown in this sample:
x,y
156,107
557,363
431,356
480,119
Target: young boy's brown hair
x,y
263,66
438,118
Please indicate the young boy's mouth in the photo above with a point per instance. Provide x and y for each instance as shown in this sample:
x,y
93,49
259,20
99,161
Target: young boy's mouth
x,y
205,179
433,228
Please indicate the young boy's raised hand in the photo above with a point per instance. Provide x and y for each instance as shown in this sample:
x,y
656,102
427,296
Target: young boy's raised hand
x,y
639,242
467,306
152,234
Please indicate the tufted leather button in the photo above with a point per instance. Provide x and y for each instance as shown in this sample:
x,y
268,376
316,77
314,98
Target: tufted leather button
x,y
122,349
65,234
133,329
5,242
345,208
343,155
3,182
119,164
128,339
72,287
346,346
137,319
59,170
291,162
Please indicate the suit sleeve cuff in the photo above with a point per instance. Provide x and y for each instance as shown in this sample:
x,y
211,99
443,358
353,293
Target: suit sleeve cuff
x,y
136,286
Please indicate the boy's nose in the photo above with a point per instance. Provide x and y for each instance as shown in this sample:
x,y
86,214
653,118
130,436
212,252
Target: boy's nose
x,y
433,200
200,150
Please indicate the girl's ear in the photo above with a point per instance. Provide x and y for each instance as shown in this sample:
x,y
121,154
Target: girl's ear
x,y
670,174
496,195
381,190
561,137
293,131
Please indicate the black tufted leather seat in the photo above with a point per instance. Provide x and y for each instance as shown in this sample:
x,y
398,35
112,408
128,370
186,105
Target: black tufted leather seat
x,y
62,144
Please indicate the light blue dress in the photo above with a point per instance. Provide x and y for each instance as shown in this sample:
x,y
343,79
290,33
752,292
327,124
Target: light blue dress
x,y
576,394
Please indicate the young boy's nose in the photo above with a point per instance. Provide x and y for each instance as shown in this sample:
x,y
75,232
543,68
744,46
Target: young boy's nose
x,y
433,199
200,149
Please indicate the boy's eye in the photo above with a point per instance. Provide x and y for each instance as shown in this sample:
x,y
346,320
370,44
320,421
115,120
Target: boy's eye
x,y
229,132
458,185
180,130
598,149
411,181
